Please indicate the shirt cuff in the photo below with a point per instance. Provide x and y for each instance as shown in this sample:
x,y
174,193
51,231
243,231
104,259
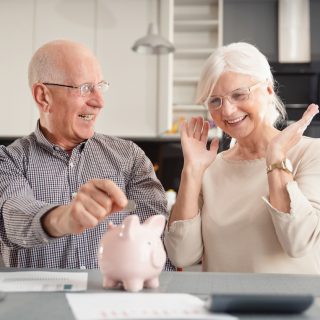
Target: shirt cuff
x,y
39,232
179,226
299,204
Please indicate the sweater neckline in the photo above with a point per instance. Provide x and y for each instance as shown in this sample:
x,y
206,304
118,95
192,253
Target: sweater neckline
x,y
241,161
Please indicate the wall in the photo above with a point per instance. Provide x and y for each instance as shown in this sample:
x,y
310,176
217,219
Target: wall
x,y
109,28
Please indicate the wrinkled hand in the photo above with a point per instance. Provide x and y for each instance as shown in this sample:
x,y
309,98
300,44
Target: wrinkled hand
x,y
194,137
95,200
290,136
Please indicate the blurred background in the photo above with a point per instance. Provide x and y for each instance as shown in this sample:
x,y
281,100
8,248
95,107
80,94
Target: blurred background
x,y
150,94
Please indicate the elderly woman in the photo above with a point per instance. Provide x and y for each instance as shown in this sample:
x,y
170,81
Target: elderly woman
x,y
256,206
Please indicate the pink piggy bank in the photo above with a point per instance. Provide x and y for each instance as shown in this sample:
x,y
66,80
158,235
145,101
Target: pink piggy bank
x,y
133,253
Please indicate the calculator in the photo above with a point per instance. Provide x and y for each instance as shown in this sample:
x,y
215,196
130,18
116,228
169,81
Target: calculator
x,y
259,303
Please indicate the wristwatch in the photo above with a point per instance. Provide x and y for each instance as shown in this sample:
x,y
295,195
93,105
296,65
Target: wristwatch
x,y
285,165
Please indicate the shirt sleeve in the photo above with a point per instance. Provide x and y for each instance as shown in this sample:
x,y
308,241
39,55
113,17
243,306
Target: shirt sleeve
x,y
299,230
183,241
146,190
20,222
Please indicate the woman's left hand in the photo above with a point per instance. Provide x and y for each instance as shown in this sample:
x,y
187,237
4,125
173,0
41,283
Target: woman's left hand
x,y
290,136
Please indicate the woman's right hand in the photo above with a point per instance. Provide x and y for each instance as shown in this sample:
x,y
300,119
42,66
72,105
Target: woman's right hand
x,y
194,137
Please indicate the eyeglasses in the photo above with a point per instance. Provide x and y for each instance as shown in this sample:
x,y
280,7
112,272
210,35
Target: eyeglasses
x,y
85,88
241,94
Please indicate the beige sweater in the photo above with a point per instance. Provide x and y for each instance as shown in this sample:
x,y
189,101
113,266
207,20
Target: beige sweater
x,y
238,230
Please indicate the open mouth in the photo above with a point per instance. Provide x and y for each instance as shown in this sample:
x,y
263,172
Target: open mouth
x,y
236,120
86,117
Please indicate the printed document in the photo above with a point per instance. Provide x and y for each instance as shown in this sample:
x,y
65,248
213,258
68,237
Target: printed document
x,y
125,305
23,281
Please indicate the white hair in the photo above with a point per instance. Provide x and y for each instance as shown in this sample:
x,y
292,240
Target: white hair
x,y
244,58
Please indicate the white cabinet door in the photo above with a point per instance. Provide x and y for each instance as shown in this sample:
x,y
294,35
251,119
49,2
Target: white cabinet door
x,y
16,23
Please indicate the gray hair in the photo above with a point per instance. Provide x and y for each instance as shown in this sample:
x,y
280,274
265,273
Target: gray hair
x,y
241,58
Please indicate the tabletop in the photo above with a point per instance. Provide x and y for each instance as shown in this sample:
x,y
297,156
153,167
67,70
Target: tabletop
x,y
53,305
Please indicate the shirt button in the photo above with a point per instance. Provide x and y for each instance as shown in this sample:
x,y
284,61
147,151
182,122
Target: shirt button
x,y
45,240
24,242
74,194
71,164
83,267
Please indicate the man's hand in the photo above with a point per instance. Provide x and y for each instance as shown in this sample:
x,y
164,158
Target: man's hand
x,y
94,201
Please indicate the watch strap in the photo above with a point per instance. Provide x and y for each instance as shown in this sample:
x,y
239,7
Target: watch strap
x,y
280,165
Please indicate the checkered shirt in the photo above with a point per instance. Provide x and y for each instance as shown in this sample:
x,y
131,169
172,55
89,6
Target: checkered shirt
x,y
36,176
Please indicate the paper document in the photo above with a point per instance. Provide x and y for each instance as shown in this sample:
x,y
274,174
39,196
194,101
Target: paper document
x,y
102,306
43,281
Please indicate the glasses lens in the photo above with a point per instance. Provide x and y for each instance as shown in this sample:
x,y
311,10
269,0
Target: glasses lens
x,y
103,86
85,89
239,95
214,102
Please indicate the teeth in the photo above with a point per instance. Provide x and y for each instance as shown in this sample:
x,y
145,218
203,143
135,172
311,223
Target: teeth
x,y
86,117
236,120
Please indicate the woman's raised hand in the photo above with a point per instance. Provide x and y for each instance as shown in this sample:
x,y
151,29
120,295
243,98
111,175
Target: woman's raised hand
x,y
194,137
290,136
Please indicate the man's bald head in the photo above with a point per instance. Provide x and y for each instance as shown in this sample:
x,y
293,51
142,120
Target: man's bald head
x,y
54,61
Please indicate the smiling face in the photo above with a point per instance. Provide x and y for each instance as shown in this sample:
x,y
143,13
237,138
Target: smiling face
x,y
66,117
246,118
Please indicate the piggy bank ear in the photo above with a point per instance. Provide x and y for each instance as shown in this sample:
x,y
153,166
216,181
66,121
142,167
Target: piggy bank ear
x,y
156,223
130,226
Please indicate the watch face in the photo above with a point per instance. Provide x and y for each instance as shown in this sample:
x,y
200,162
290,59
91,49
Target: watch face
x,y
288,165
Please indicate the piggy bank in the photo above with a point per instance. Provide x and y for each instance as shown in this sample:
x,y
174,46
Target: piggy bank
x,y
133,253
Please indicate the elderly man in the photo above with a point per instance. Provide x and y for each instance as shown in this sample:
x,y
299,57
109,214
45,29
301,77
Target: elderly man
x,y
62,184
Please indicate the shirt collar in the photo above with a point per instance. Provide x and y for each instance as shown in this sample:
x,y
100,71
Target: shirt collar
x,y
44,142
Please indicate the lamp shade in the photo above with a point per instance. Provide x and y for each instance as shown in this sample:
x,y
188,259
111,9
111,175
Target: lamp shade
x,y
153,43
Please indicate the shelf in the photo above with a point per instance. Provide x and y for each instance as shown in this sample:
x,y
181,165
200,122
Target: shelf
x,y
168,136
195,25
195,2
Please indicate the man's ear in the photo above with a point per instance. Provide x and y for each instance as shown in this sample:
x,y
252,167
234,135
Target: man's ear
x,y
42,96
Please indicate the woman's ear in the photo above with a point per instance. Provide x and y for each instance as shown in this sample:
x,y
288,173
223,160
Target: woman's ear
x,y
42,96
270,88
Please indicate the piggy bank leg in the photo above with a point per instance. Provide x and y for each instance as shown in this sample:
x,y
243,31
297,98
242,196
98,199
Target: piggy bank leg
x,y
152,283
133,285
109,283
